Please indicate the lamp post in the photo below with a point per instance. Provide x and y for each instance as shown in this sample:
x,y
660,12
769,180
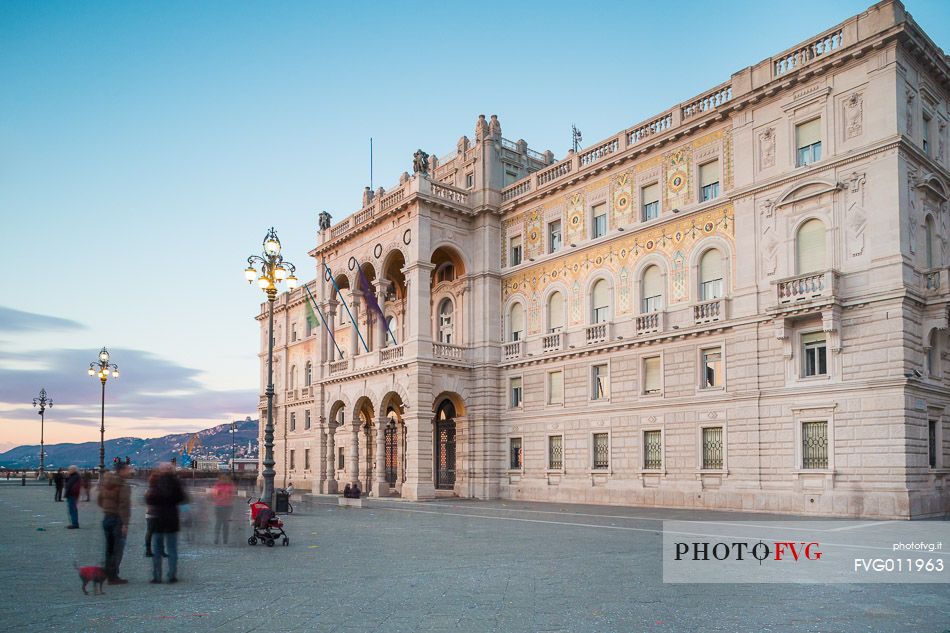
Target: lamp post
x,y
273,270
102,368
43,401
233,429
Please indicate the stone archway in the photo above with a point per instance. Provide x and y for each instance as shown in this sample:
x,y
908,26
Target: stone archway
x,y
445,445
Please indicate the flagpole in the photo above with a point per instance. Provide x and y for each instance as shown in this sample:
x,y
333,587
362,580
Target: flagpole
x,y
345,307
326,324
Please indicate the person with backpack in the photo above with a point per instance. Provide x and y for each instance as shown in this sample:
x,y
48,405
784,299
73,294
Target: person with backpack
x,y
73,487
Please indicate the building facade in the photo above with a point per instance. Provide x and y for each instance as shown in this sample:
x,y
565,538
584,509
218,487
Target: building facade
x,y
740,303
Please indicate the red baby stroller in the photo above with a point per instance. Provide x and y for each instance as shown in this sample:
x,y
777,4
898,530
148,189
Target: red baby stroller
x,y
266,524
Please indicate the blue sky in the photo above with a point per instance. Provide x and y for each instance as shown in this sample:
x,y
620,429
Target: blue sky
x,y
145,148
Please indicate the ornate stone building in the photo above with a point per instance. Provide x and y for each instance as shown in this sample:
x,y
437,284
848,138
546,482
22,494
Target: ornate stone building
x,y
741,302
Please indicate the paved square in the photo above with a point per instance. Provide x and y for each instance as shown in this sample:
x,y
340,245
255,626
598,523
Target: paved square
x,y
395,566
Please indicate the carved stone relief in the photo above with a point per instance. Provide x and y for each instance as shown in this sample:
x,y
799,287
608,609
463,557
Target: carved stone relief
x,y
770,240
767,148
912,209
910,112
854,115
941,144
855,215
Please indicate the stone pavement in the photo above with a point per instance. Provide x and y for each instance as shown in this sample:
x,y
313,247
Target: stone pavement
x,y
397,566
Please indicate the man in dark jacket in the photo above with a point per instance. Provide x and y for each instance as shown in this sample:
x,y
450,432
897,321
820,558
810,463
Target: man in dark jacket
x,y
115,499
164,496
73,487
58,480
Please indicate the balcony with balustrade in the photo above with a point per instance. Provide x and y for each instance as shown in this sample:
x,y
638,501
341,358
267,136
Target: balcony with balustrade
x,y
552,342
710,311
650,323
597,333
513,350
817,288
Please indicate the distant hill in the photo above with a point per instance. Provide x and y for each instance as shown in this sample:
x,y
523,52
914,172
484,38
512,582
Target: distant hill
x,y
215,442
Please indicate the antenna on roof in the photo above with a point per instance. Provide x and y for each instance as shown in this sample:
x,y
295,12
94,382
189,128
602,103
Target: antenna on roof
x,y
371,163
576,137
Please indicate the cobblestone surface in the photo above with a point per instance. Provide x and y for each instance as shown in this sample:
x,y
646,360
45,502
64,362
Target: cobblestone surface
x,y
395,567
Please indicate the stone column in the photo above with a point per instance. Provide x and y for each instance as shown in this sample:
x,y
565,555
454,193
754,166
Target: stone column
x,y
400,454
355,314
320,470
419,312
381,486
382,286
331,322
331,485
353,459
419,481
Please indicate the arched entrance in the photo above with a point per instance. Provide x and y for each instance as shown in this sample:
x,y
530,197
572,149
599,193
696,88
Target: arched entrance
x,y
391,446
445,446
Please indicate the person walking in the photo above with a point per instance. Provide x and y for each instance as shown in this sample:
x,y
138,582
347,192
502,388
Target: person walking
x,y
222,496
87,482
115,499
73,486
164,497
58,480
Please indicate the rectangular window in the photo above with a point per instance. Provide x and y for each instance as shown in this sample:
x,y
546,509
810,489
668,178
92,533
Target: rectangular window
x,y
712,368
306,459
652,304
555,387
601,451
651,375
309,327
510,177
815,445
293,421
306,419
925,134
340,461
515,462
932,443
469,181
293,332
600,382
650,195
514,251
709,180
808,142
555,452
814,354
599,226
515,392
292,460
712,448
554,236
652,450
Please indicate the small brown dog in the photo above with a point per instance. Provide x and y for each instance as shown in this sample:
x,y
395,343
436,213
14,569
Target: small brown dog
x,y
92,574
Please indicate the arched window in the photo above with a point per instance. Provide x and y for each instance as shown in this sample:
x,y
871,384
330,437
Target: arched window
x,y
293,377
555,312
308,374
600,302
446,272
810,247
516,322
446,410
929,250
710,275
652,290
446,322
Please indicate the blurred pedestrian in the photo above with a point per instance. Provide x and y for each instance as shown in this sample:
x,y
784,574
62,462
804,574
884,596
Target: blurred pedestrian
x,y
150,516
115,499
58,479
222,496
87,482
73,486
165,496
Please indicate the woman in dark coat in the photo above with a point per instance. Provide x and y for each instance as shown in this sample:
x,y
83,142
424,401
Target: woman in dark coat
x,y
164,495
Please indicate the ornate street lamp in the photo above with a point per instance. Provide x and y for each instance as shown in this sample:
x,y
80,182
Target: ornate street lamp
x,y
102,368
43,401
273,271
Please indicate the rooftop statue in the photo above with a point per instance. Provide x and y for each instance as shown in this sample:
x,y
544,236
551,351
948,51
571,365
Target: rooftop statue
x,y
420,162
324,219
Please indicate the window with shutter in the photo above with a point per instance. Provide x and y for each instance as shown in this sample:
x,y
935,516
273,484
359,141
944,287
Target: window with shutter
x,y
515,251
516,320
652,289
650,195
709,180
556,312
555,387
600,302
810,247
599,226
651,375
808,142
710,275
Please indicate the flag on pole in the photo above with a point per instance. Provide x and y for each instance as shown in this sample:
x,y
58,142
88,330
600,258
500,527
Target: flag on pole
x,y
370,297
312,319
326,324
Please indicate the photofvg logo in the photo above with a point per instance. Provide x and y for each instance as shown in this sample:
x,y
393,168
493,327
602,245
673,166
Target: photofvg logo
x,y
741,550
764,551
